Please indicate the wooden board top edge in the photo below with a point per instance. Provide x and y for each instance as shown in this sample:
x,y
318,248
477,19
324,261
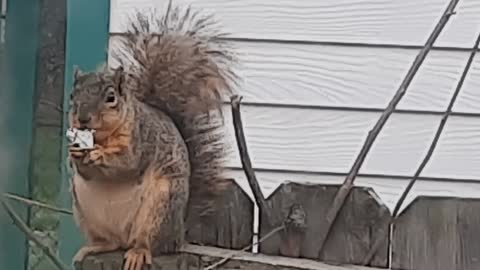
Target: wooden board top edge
x,y
278,261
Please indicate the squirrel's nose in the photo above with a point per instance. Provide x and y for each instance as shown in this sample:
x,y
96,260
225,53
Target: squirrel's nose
x,y
84,115
84,119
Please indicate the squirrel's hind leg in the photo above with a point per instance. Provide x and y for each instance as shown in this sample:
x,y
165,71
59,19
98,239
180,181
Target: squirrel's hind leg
x,y
158,226
95,242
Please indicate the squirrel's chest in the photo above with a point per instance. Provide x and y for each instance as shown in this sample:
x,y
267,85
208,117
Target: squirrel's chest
x,y
107,208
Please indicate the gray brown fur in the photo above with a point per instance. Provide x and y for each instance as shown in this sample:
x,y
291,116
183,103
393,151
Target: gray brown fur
x,y
180,64
159,140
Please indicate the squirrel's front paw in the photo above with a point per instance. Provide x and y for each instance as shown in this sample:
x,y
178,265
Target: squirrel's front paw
x,y
76,152
95,156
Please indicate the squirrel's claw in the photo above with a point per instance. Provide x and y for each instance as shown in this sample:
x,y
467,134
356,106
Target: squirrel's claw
x,y
81,254
95,156
135,258
79,257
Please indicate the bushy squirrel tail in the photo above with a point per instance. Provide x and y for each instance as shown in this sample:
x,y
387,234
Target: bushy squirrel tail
x,y
179,63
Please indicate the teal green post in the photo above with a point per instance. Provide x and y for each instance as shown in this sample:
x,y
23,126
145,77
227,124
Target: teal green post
x,y
17,95
87,48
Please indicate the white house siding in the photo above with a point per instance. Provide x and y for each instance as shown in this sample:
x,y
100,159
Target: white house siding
x,y
317,75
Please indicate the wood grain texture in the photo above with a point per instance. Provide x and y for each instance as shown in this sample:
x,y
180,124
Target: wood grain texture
x,y
232,227
197,257
325,75
468,222
388,189
437,234
351,237
405,22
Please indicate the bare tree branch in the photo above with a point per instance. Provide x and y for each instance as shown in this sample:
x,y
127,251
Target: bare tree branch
x,y
38,204
50,104
245,158
30,235
232,255
347,185
380,236
439,130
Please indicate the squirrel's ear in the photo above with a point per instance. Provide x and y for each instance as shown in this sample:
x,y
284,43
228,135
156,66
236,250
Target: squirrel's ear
x,y
77,72
118,79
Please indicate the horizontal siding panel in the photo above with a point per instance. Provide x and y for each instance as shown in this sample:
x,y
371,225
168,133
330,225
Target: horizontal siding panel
x,y
329,140
406,22
322,75
457,151
469,98
389,190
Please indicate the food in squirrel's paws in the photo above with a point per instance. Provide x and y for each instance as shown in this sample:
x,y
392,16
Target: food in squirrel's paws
x,y
81,138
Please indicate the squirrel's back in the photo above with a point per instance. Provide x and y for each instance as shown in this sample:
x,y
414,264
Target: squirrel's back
x,y
178,63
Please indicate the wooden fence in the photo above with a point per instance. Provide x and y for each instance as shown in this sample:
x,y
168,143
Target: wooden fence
x,y
432,233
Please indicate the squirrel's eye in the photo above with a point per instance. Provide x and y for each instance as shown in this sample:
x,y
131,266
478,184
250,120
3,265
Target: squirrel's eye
x,y
110,97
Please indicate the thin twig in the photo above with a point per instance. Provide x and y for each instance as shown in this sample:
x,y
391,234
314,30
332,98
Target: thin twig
x,y
245,158
439,130
28,232
347,185
38,204
234,253
380,237
51,105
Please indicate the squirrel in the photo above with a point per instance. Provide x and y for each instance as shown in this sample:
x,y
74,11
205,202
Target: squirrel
x,y
159,141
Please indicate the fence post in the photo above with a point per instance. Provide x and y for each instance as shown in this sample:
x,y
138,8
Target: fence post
x,y
437,233
86,47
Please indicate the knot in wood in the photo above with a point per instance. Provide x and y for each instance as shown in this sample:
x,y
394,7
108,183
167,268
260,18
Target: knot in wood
x,y
297,218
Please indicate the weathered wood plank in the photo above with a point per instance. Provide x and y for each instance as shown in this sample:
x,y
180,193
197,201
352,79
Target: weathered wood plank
x,y
197,258
406,22
437,233
360,77
387,188
232,227
351,237
468,224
